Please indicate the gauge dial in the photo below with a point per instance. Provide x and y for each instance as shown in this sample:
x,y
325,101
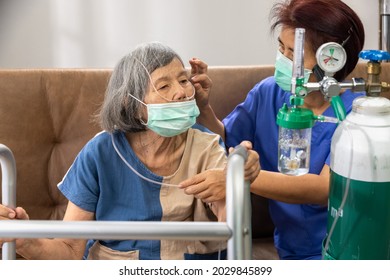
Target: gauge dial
x,y
331,57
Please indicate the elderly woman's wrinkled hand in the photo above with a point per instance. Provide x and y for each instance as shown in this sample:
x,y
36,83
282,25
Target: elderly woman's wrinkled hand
x,y
209,186
9,214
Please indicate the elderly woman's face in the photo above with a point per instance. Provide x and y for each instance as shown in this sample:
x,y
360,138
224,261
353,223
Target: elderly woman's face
x,y
170,83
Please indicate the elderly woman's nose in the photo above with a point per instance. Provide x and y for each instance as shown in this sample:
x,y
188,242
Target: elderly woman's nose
x,y
180,92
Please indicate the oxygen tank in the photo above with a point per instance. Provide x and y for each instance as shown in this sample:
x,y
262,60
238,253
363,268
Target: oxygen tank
x,y
359,195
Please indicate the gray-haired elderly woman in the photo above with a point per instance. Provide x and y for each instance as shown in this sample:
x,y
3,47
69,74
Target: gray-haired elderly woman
x,y
131,171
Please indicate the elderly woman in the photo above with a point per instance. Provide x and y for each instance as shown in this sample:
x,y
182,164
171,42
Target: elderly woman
x,y
131,171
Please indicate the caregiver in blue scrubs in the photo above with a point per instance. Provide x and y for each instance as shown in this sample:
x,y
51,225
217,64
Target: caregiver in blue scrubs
x,y
297,204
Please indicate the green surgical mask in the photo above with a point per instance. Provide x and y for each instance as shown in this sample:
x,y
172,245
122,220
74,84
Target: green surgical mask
x,y
172,118
284,71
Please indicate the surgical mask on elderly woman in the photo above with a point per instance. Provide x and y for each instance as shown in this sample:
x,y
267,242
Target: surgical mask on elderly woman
x,y
284,71
172,118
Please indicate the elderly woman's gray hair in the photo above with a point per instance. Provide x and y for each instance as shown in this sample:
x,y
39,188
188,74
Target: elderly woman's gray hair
x,y
131,76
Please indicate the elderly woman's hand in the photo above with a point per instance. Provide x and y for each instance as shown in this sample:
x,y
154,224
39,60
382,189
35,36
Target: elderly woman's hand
x,y
10,214
210,185
201,82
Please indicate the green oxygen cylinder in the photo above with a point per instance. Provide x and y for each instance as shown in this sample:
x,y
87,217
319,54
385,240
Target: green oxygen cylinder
x,y
359,196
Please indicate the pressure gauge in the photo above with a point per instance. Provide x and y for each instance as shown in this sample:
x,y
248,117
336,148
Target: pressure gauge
x,y
331,57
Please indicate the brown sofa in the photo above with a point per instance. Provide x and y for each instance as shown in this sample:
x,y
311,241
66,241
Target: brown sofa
x,y
46,117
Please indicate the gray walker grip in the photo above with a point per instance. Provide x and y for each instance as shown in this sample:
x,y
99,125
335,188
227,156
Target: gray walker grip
x,y
8,188
238,206
240,150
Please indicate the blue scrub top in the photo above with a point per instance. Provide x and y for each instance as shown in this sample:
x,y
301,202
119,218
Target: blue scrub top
x,y
299,228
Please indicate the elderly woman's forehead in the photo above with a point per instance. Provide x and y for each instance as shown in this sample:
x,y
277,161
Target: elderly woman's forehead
x,y
174,66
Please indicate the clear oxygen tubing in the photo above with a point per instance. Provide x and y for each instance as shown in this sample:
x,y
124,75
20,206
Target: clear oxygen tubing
x,y
345,195
135,171
323,118
347,185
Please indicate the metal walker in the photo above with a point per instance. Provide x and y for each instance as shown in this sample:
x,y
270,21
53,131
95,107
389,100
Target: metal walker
x,y
237,229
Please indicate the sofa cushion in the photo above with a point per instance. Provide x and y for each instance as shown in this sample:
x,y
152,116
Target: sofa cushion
x,y
46,118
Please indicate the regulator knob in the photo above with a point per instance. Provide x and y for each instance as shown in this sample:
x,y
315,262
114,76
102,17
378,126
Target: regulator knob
x,y
374,55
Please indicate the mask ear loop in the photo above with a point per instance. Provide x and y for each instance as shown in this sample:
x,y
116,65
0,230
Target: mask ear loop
x,y
151,82
143,103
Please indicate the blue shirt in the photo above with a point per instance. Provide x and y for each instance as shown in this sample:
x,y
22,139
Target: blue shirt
x,y
100,182
299,228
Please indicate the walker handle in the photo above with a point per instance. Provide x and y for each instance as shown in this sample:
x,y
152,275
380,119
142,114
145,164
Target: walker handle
x,y
8,188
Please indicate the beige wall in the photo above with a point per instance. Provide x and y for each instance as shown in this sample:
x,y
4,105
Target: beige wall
x,y
96,33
